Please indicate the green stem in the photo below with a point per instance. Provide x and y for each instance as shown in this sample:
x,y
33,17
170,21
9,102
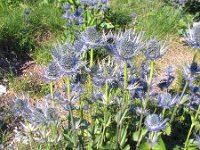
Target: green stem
x,y
145,105
70,111
51,89
175,109
125,76
191,128
107,94
188,137
195,55
91,57
163,112
118,138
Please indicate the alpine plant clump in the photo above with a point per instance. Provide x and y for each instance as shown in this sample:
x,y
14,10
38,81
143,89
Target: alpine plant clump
x,y
107,102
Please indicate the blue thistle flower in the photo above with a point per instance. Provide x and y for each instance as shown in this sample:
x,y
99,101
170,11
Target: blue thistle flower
x,y
104,1
79,47
96,95
193,103
179,3
192,36
27,12
21,107
194,68
53,72
70,64
166,100
66,7
51,115
89,2
197,141
154,49
75,18
166,82
139,111
99,79
137,88
145,70
126,45
195,89
37,117
90,38
155,123
106,73
153,139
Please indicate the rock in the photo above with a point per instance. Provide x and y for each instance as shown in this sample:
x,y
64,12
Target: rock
x,y
2,90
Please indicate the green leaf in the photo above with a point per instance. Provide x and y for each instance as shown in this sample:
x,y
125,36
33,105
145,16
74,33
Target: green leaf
x,y
123,116
168,129
160,145
136,134
123,136
107,25
127,147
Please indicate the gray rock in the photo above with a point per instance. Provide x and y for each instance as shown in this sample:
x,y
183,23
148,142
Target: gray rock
x,y
2,90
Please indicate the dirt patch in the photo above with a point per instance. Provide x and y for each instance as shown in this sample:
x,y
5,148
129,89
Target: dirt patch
x,y
177,56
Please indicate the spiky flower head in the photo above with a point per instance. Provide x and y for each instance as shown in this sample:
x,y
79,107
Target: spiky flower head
x,y
193,103
139,111
70,64
155,122
21,106
95,4
153,140
90,37
166,100
66,7
89,2
192,36
126,45
191,71
27,12
168,80
52,72
106,73
154,49
73,18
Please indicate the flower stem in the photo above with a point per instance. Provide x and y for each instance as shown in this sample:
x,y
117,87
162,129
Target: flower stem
x,y
71,112
51,89
175,109
91,57
144,105
125,76
195,55
191,128
107,94
163,112
188,137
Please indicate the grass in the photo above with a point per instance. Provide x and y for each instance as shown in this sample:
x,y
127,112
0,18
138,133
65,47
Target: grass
x,y
21,31
26,84
156,19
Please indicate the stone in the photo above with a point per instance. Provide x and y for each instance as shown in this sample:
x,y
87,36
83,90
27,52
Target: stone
x,y
2,90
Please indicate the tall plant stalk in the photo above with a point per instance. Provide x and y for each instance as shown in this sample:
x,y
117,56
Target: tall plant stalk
x,y
71,112
191,128
144,105
176,108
